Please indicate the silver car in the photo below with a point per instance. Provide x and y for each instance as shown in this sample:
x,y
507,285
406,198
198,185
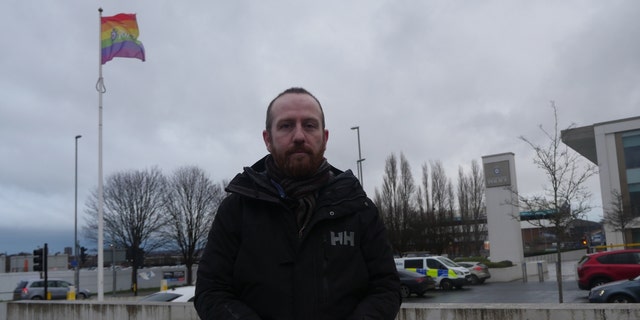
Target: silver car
x,y
33,289
479,271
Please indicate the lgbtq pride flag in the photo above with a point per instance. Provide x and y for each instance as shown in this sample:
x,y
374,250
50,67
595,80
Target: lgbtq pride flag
x,y
119,37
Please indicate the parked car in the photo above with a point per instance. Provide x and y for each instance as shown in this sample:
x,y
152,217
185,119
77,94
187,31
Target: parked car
x,y
33,289
479,271
178,294
622,291
599,268
446,273
414,283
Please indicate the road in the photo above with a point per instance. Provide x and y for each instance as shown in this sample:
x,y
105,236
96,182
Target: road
x,y
532,291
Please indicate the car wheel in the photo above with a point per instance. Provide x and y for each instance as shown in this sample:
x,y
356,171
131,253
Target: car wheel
x,y
599,281
81,296
481,281
36,298
474,279
404,291
620,298
445,284
421,294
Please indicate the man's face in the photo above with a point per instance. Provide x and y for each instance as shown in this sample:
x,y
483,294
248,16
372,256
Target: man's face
x,y
296,139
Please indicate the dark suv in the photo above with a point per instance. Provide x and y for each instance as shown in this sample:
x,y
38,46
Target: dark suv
x,y
34,290
598,268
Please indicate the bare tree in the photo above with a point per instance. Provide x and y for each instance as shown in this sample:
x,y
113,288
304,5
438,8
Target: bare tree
x,y
618,215
192,201
566,197
477,204
406,206
133,210
470,221
425,218
465,211
395,203
385,200
442,202
470,195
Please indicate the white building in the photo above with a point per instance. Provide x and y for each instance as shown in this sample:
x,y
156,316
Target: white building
x,y
615,147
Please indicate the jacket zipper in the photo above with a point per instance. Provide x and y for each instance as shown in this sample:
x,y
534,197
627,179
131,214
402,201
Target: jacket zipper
x,y
304,226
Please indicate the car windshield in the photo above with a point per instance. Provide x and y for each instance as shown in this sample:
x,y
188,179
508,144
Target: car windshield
x,y
448,262
583,260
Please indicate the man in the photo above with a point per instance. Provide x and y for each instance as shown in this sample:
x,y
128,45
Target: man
x,y
296,238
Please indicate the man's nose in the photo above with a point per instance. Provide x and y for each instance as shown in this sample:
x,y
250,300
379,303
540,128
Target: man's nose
x,y
298,133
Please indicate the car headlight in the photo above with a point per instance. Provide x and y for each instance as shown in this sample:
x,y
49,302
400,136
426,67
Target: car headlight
x,y
600,292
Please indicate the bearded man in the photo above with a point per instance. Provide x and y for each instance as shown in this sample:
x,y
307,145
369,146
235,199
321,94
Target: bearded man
x,y
296,238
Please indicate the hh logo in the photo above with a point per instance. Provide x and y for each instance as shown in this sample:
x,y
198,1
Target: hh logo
x,y
343,238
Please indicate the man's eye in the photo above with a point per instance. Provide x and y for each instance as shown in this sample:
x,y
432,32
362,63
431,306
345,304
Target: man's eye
x,y
311,125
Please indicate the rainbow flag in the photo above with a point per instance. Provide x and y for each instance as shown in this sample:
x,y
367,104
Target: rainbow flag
x,y
119,37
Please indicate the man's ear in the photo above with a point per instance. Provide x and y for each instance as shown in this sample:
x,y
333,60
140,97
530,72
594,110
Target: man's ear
x,y
326,138
267,139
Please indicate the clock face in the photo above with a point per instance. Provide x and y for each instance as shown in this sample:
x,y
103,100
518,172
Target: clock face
x,y
496,171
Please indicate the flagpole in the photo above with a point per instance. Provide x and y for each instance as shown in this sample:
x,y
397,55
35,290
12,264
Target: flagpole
x,y
101,89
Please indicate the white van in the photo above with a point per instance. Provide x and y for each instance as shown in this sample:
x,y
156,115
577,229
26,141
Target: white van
x,y
445,272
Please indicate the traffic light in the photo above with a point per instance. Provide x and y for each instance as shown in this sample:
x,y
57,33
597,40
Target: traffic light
x,y
38,259
83,255
584,241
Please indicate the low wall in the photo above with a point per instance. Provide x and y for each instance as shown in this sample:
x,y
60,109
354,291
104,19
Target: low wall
x,y
91,310
516,272
511,311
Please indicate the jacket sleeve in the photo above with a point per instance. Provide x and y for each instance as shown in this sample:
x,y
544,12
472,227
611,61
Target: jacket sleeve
x,y
383,295
215,296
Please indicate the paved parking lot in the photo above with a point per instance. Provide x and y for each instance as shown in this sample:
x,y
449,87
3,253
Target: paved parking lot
x,y
506,292
532,291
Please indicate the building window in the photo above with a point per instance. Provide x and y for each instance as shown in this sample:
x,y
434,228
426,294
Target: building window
x,y
631,145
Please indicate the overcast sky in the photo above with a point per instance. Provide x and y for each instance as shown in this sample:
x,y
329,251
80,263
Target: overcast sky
x,y
447,81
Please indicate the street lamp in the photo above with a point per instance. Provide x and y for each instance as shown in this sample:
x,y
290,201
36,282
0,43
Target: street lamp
x,y
359,162
113,267
76,281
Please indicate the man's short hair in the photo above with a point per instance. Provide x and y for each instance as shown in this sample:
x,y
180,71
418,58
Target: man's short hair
x,y
291,90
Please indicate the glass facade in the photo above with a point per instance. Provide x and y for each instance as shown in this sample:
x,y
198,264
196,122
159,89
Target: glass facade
x,y
631,145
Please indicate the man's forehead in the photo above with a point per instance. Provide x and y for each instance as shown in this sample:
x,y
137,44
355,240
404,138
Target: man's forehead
x,y
294,103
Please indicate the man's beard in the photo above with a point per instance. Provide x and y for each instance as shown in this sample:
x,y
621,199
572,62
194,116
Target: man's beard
x,y
296,166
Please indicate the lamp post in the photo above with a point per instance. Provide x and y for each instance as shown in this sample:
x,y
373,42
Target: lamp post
x,y
113,267
359,162
76,281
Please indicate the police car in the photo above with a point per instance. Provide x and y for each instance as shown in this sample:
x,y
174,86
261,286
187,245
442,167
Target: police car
x,y
445,272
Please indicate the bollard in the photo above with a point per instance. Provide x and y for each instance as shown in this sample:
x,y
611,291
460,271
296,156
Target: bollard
x,y
524,271
540,274
71,294
163,285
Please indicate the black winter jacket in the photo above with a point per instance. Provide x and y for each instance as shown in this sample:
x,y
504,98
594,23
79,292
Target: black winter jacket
x,y
258,265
